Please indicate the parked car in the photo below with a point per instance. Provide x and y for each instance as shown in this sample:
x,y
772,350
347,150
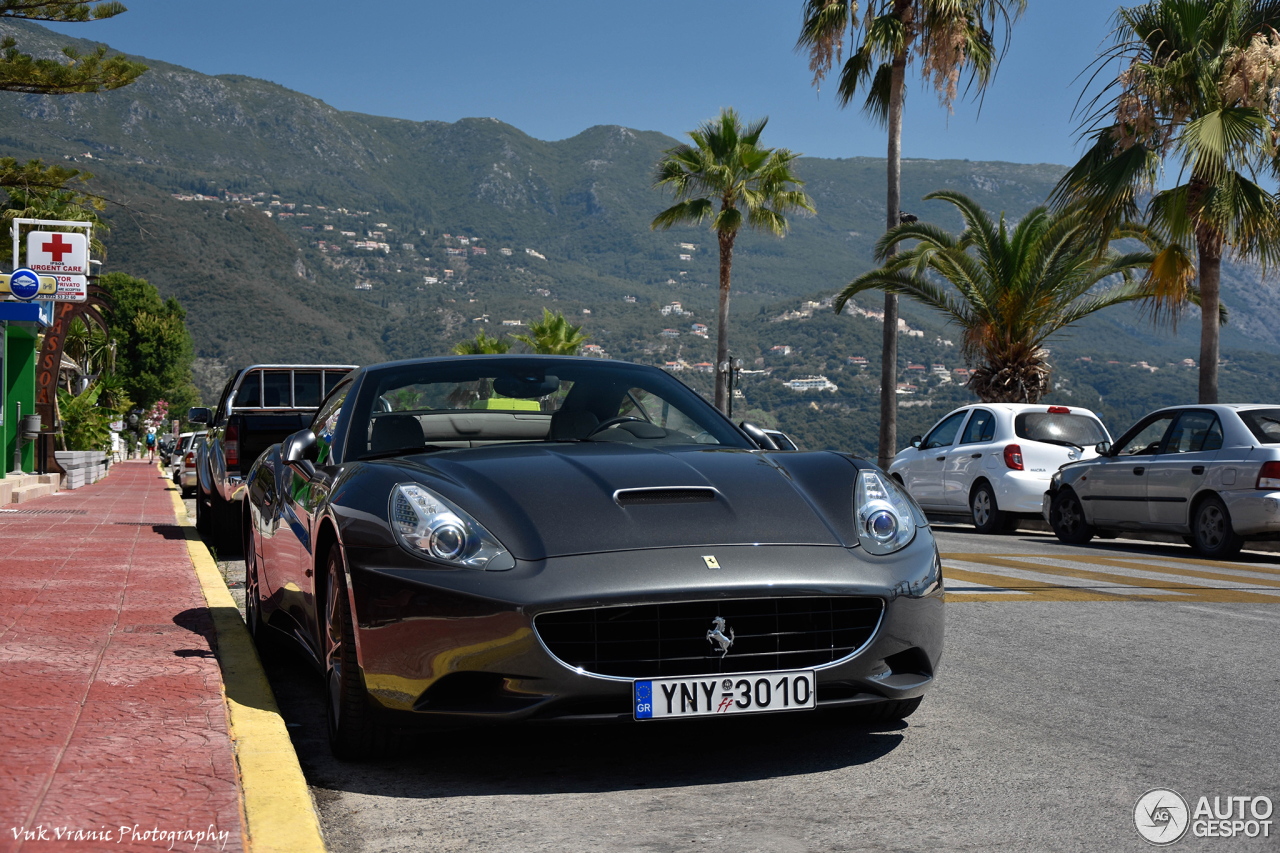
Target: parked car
x,y
259,406
991,462
500,538
1208,473
184,462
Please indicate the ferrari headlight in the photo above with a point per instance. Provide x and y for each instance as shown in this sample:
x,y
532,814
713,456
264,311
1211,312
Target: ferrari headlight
x,y
430,526
885,519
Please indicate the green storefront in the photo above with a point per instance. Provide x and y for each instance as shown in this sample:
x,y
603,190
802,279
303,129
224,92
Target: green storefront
x,y
20,325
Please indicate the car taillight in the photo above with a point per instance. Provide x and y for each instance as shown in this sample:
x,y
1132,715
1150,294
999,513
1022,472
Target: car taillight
x,y
191,459
1059,410
1013,456
1269,476
231,445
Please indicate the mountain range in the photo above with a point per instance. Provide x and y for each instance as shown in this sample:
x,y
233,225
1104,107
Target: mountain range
x,y
295,232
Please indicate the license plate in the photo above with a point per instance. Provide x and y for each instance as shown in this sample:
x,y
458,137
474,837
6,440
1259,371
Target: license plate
x,y
719,695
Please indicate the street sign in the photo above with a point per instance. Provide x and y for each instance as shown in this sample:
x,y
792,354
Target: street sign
x,y
26,285
72,288
58,253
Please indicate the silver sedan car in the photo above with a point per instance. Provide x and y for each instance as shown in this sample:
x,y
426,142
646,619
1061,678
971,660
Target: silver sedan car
x,y
1209,473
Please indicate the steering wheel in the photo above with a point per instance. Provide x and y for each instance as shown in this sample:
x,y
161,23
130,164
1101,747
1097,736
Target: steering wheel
x,y
614,422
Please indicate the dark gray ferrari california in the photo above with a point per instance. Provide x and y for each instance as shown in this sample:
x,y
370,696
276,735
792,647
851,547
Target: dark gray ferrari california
x,y
495,538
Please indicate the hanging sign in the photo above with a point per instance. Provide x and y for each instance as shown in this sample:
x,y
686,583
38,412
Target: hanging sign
x,y
58,252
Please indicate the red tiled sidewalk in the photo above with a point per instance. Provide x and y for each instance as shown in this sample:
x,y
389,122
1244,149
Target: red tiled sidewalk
x,y
111,707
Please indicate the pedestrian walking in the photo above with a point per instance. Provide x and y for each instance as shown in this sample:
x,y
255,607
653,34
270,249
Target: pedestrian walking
x,y
151,445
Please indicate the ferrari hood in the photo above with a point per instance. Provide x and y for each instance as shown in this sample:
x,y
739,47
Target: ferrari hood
x,y
544,500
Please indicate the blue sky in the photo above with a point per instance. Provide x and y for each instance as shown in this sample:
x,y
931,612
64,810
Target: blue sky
x,y
556,67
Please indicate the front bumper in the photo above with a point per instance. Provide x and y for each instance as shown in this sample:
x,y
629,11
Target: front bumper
x,y
444,645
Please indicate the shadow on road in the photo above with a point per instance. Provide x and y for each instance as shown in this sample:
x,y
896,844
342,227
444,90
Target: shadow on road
x,y
573,758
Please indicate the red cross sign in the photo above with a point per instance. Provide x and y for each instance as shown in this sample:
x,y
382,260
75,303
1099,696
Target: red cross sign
x,y
57,248
58,252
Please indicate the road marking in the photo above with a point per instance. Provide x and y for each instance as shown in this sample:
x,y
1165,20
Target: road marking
x,y
1025,570
279,814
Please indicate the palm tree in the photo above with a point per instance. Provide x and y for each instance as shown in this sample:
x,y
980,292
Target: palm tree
x,y
1198,86
946,37
553,335
753,185
1012,287
481,345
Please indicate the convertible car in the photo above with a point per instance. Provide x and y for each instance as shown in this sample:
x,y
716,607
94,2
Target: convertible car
x,y
488,538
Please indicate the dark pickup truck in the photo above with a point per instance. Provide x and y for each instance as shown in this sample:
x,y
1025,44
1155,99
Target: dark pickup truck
x,y
259,406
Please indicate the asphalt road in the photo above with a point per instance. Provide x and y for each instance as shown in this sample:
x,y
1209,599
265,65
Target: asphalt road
x,y
1074,680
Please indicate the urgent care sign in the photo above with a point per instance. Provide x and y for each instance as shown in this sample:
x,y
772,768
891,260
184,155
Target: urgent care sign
x,y
58,253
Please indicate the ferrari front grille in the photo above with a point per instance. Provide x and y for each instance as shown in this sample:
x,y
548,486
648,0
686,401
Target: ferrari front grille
x,y
675,639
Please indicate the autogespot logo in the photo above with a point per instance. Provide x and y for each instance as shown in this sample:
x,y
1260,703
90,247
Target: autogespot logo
x,y
1161,816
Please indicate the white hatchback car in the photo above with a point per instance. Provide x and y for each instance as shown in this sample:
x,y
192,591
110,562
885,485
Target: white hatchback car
x,y
991,462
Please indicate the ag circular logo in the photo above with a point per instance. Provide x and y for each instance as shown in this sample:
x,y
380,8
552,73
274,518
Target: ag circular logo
x,y
1161,816
24,284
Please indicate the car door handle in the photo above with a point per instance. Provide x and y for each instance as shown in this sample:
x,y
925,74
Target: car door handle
x,y
976,456
942,459
1139,470
1197,469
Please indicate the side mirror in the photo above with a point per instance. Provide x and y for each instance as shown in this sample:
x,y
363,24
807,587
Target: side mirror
x,y
916,441
759,436
1103,448
199,415
299,452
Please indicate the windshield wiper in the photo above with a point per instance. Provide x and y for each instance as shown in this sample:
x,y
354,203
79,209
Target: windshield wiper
x,y
1061,442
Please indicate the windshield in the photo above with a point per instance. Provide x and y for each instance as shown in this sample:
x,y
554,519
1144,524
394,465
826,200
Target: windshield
x,y
1264,424
1077,430
472,402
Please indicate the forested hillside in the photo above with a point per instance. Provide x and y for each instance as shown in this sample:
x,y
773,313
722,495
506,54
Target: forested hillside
x,y
295,232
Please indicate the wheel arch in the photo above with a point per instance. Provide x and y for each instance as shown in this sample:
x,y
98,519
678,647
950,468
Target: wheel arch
x,y
979,480
1193,505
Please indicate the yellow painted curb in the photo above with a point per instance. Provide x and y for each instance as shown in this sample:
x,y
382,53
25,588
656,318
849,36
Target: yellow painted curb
x,y
279,814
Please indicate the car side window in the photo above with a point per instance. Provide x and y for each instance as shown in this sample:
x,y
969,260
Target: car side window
x,y
1194,432
982,427
1145,439
944,434
325,424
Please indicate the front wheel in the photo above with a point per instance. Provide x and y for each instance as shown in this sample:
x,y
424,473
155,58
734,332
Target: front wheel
x,y
1212,531
353,732
1066,517
986,515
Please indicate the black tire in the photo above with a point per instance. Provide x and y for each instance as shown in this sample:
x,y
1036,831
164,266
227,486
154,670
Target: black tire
x,y
983,511
353,732
253,594
202,515
1066,517
885,712
1212,531
224,525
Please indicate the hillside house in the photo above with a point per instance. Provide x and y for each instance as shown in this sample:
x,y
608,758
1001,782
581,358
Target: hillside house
x,y
906,388
692,247
535,254
811,383
857,360
506,252
586,310
512,323
703,367
479,250
686,257
780,349
670,333
542,291
430,279
629,299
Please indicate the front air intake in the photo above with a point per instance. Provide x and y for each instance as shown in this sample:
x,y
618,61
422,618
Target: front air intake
x,y
665,495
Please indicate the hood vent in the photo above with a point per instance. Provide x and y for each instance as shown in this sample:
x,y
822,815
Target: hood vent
x,y
665,495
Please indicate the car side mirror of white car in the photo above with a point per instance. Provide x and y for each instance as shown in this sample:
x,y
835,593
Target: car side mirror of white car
x,y
1103,448
916,441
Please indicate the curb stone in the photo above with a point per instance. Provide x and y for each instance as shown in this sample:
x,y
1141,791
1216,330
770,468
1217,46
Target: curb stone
x,y
278,812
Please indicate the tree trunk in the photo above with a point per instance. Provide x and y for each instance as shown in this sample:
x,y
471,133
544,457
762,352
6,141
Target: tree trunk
x,y
1210,329
889,350
722,330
